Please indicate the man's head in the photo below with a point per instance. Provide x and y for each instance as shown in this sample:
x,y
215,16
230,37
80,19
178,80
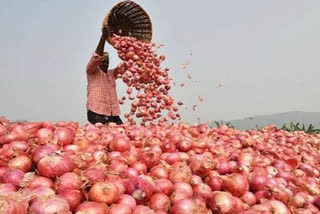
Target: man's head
x,y
105,62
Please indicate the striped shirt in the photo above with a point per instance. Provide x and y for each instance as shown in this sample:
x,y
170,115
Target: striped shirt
x,y
101,88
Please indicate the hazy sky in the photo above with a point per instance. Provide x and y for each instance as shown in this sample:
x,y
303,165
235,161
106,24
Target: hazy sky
x,y
266,54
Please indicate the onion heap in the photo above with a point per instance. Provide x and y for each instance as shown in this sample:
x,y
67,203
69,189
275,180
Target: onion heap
x,y
158,168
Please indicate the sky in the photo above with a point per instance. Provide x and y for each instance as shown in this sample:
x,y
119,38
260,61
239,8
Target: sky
x,y
264,53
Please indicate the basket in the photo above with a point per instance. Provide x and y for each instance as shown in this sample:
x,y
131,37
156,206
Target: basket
x,y
127,18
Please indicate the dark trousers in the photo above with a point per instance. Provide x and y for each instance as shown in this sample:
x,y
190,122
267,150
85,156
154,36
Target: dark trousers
x,y
100,118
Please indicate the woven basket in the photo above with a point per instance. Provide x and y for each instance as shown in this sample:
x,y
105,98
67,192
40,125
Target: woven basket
x,y
127,18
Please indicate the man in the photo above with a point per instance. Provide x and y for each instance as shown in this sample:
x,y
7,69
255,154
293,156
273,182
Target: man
x,y
102,101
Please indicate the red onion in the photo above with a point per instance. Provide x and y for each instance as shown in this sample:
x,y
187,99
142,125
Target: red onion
x,y
104,192
278,207
140,189
94,175
19,146
90,207
158,172
127,200
183,187
236,184
202,190
159,201
142,210
41,192
49,205
12,203
120,144
257,182
73,196
163,186
180,172
13,176
42,152
223,202
22,162
120,209
44,135
214,182
140,167
249,198
196,180
55,165
40,181
64,136
68,181
184,206
7,188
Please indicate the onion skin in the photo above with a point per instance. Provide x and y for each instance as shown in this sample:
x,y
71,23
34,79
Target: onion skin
x,y
42,152
104,192
163,186
55,165
90,207
127,200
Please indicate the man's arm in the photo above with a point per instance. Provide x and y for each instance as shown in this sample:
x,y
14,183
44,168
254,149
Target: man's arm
x,y
102,42
98,55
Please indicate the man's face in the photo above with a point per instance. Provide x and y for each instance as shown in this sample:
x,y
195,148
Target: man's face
x,y
105,63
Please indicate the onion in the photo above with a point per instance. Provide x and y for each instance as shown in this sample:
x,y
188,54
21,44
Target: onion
x,y
104,192
236,184
22,162
202,190
180,172
13,176
41,192
127,200
249,198
120,144
49,205
94,175
158,172
44,135
90,207
74,197
177,196
55,165
7,188
159,201
40,181
278,207
215,183
64,136
42,152
223,202
68,181
142,210
183,187
163,186
140,167
257,182
19,146
120,209
140,189
12,203
196,180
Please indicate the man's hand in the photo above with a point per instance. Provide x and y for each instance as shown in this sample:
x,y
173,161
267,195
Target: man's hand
x,y
105,33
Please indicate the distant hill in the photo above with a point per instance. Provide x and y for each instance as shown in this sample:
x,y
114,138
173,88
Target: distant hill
x,y
276,119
